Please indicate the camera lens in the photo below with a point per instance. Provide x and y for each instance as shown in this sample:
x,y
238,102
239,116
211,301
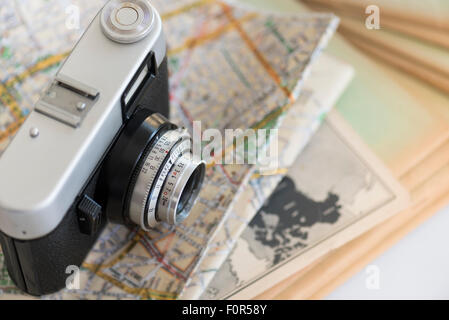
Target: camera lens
x,y
151,174
169,178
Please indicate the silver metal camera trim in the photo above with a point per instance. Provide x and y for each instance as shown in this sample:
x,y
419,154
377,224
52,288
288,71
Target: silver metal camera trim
x,y
148,180
40,177
167,210
151,218
67,100
134,32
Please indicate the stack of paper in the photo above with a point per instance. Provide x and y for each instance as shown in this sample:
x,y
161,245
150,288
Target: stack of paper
x,y
407,125
405,122
412,37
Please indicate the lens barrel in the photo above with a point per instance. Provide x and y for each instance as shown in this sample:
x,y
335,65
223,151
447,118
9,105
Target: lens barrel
x,y
151,174
167,167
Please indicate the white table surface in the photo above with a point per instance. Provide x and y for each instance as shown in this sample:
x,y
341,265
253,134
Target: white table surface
x,y
417,267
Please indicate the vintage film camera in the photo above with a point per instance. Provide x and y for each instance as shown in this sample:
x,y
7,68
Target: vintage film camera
x,y
98,147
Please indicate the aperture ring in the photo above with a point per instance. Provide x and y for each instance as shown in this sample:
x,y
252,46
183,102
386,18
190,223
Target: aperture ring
x,y
151,218
173,188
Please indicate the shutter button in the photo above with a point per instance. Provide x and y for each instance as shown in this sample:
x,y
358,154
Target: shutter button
x,y
127,21
127,16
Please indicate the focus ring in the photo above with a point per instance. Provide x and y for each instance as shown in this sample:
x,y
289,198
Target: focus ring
x,y
151,217
158,156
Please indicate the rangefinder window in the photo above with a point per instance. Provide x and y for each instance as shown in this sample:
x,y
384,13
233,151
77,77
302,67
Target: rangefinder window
x,y
139,83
